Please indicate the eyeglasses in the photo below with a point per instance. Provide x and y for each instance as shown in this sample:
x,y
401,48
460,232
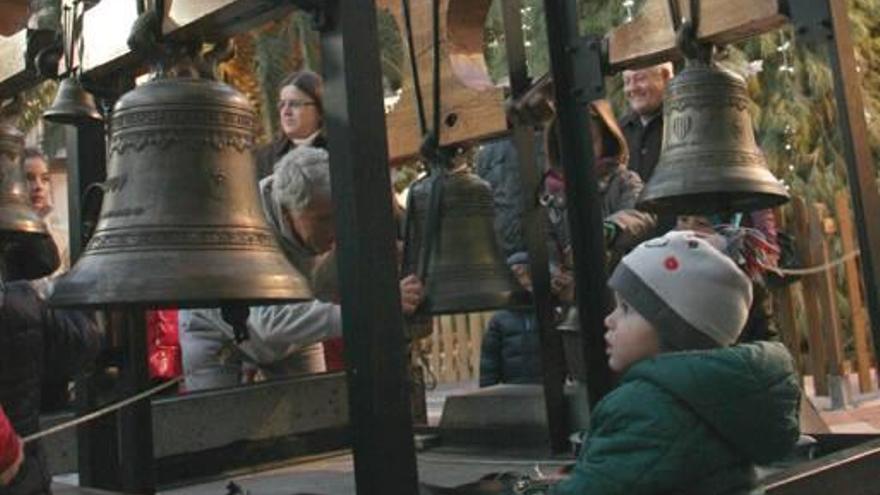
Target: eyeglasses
x,y
295,104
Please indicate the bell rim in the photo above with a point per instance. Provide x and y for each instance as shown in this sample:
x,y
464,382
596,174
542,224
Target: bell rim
x,y
170,302
166,278
709,202
20,219
91,115
474,304
73,297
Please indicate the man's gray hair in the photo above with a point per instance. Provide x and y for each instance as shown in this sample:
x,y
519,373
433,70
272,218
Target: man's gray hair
x,y
301,176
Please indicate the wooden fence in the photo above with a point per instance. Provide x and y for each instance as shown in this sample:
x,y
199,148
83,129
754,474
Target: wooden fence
x,y
823,318
453,349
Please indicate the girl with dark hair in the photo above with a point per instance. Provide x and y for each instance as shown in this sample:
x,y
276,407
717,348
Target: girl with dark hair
x,y
301,115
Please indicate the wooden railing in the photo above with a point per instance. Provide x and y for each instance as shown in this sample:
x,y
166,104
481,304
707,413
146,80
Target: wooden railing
x,y
453,349
822,318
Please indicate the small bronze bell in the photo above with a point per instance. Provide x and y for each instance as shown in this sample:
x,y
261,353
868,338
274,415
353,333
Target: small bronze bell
x,y
181,223
709,160
28,249
73,105
465,270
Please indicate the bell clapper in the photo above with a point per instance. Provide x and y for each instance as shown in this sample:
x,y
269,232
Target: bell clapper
x,y
236,315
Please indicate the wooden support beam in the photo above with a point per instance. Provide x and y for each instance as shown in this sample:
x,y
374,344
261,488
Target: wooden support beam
x,y
106,42
649,39
808,250
13,16
838,384
106,28
858,313
471,105
14,74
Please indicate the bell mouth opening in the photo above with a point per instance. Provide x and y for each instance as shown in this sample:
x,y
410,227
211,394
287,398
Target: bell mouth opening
x,y
510,301
707,203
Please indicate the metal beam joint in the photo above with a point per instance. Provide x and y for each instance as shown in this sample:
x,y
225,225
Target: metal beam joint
x,y
590,60
316,9
811,20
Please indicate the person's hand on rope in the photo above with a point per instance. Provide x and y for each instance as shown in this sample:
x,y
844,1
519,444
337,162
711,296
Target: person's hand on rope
x,y
411,294
609,232
562,286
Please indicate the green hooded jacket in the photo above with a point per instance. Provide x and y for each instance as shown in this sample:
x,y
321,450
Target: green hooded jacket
x,y
691,423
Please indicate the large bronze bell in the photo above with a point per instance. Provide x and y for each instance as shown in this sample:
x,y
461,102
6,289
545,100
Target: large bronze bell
x,y
73,105
709,160
27,248
465,270
181,223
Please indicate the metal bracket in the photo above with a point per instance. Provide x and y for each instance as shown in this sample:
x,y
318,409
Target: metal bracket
x,y
811,18
316,9
590,63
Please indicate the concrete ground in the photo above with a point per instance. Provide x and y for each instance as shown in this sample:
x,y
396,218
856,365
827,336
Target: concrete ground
x,y
334,474
861,411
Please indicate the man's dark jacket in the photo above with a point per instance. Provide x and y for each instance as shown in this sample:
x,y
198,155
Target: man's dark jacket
x,y
36,343
644,143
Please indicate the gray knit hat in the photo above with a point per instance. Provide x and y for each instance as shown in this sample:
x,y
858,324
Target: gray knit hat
x,y
694,295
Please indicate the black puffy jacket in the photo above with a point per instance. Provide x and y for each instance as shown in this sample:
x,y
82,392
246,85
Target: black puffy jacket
x,y
511,351
497,163
36,343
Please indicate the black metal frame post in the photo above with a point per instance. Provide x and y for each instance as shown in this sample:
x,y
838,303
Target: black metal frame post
x,y
377,362
97,449
860,165
552,360
584,206
136,461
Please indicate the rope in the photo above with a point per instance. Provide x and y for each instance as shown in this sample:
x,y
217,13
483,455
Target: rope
x,y
414,67
101,412
812,270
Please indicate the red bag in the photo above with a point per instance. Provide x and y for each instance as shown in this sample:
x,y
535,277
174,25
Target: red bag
x,y
163,345
9,443
334,354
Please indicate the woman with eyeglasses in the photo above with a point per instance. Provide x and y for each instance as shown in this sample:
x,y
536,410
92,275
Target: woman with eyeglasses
x,y
301,115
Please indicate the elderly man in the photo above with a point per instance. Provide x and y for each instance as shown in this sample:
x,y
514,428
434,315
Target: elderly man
x,y
643,125
284,339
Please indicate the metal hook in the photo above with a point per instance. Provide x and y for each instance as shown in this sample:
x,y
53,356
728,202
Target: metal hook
x,y
687,31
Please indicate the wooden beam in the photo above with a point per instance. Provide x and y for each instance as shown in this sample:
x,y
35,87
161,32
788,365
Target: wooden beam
x,y
472,106
649,39
106,28
106,47
13,16
106,42
14,75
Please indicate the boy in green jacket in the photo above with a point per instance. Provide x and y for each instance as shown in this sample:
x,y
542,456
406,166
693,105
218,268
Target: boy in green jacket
x,y
692,413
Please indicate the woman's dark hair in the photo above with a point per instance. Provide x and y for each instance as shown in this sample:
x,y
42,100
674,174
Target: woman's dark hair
x,y
610,144
309,83
30,152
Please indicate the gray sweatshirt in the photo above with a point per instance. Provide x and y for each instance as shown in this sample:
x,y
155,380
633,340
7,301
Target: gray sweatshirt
x,y
284,339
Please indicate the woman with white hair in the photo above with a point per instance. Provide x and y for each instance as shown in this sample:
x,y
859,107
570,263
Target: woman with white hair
x,y
283,339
